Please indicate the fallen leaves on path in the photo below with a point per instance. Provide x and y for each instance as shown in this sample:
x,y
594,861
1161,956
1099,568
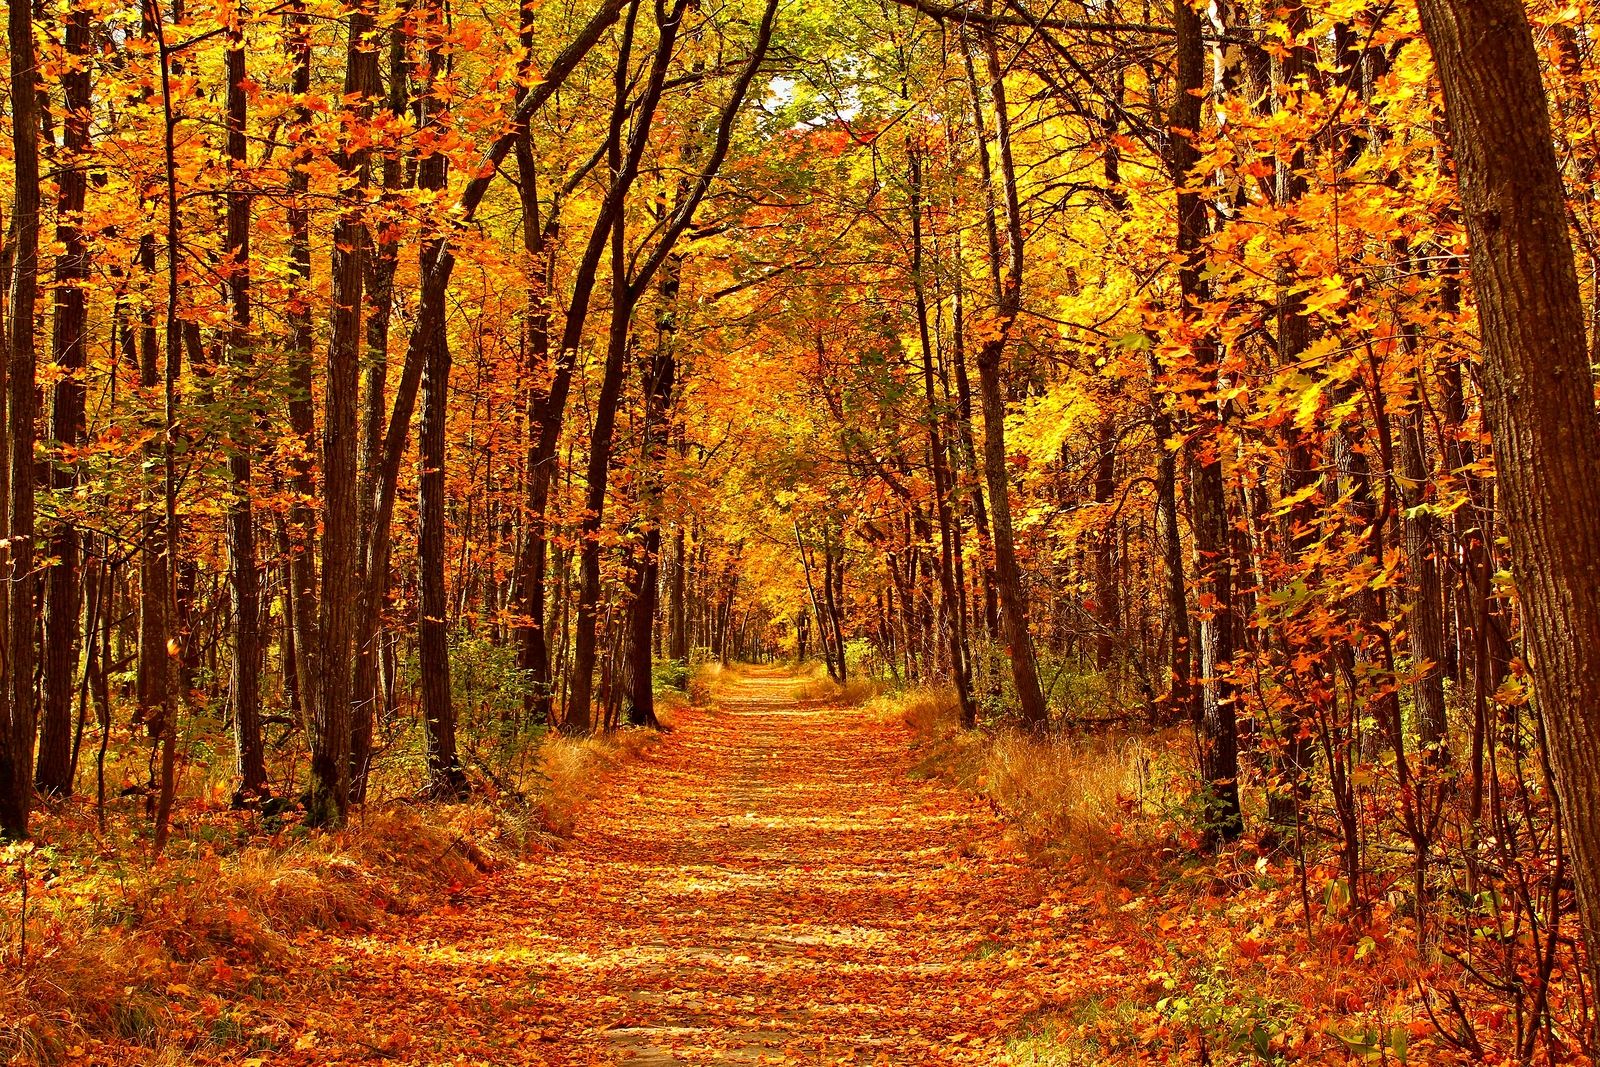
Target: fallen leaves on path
x,y
766,886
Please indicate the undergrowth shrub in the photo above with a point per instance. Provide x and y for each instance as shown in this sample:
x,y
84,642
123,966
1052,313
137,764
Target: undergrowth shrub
x,y
931,710
672,674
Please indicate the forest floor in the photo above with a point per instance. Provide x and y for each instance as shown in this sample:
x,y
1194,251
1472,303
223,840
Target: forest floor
x,y
775,880
768,885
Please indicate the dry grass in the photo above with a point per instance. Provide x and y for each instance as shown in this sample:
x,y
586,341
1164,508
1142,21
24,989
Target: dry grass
x,y
112,945
122,949
1085,796
819,688
1091,798
931,710
706,679
573,769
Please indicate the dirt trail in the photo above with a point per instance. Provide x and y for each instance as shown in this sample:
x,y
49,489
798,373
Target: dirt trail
x,y
767,885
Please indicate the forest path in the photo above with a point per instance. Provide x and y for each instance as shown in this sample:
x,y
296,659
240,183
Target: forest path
x,y
766,885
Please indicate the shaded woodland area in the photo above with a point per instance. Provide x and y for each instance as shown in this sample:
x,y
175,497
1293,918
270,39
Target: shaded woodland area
x,y
391,387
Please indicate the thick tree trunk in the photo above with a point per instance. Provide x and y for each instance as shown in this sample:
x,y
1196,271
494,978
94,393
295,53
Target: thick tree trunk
x,y
1538,388
245,684
1213,711
17,723
365,691
659,375
328,799
64,587
445,775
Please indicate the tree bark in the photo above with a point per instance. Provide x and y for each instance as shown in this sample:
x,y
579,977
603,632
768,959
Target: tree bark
x,y
658,376
384,261
1213,711
63,595
445,776
301,526
1425,620
245,684
1006,271
1538,388
328,798
16,759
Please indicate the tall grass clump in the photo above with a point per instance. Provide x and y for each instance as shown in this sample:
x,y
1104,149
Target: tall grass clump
x,y
1098,797
705,678
817,687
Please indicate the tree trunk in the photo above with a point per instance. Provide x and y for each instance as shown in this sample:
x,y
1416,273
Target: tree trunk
x,y
533,650
329,794
1213,712
445,777
658,378
385,257
943,487
1108,610
1425,620
301,526
245,684
64,587
677,622
16,759
1538,388
617,344
1007,277
833,597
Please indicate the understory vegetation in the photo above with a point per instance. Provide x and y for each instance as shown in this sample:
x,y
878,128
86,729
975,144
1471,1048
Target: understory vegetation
x,y
188,955
1258,953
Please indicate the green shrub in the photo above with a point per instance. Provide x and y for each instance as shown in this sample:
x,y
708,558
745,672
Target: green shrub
x,y
670,674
